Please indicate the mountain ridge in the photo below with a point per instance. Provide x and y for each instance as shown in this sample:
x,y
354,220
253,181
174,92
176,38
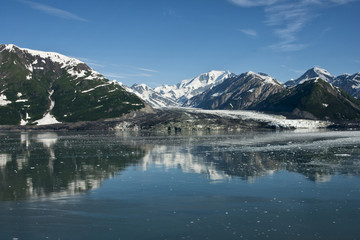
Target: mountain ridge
x,y
39,87
313,99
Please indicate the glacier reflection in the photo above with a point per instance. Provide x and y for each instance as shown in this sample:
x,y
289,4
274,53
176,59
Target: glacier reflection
x,y
317,155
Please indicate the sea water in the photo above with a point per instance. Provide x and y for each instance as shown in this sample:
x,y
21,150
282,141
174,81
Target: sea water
x,y
115,185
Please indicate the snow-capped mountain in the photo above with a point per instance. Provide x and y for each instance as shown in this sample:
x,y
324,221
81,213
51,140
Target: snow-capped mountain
x,y
153,98
310,74
189,88
349,83
237,92
177,95
39,87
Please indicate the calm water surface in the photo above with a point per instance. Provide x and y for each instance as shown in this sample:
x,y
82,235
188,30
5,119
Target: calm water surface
x,y
86,185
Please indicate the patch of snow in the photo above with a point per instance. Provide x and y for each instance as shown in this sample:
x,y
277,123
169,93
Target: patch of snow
x,y
38,68
19,94
80,74
23,122
48,118
77,74
92,89
22,100
325,105
9,47
29,67
94,75
29,77
3,100
216,94
35,62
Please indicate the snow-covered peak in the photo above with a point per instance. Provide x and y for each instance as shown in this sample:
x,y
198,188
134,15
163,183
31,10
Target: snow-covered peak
x,y
323,73
53,56
73,66
310,74
188,88
141,87
249,73
265,77
204,79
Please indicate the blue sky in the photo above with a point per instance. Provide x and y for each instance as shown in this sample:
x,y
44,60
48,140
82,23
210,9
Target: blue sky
x,y
165,41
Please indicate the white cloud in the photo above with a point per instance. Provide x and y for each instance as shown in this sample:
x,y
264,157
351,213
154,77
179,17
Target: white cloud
x,y
288,47
287,18
254,3
126,75
147,70
53,11
249,32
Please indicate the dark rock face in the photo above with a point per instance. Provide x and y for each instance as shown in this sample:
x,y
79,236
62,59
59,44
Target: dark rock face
x,y
349,83
240,92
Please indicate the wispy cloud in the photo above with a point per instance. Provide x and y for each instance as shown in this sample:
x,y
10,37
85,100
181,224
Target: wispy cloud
x,y
147,70
89,62
254,3
126,75
287,18
249,32
53,11
169,12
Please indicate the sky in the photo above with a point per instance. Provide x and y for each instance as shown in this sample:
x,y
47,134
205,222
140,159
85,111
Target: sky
x,y
165,41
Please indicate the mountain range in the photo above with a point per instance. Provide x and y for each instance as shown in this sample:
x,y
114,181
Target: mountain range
x,y
38,88
316,94
179,94
314,98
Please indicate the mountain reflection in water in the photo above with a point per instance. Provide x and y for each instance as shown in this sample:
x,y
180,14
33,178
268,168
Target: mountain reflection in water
x,y
45,164
38,164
